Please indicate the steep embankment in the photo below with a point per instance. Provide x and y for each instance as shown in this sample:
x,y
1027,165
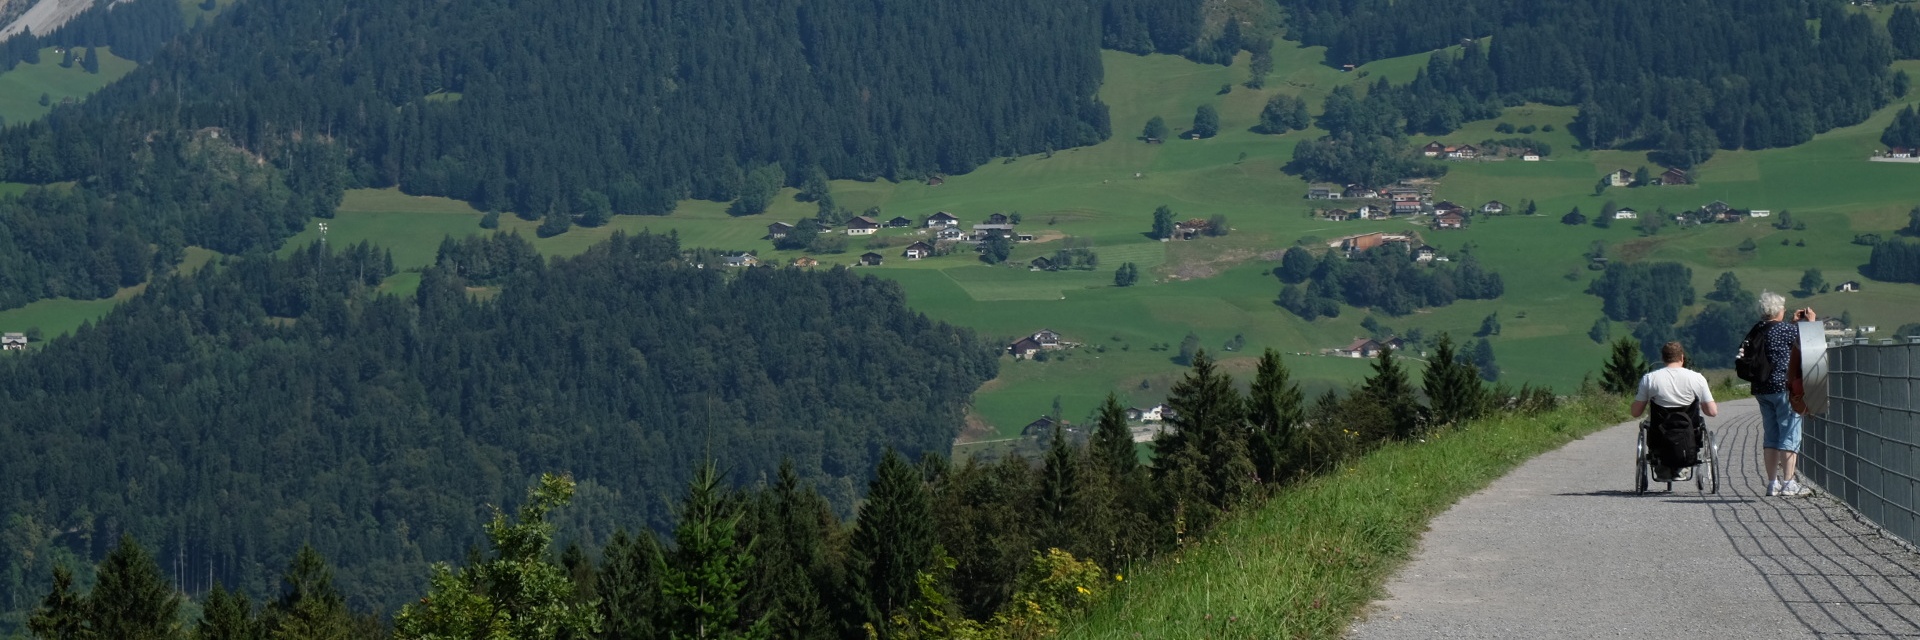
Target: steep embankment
x,y
1303,565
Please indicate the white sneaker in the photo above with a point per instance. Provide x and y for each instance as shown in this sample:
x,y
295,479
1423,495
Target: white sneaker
x,y
1773,488
1792,488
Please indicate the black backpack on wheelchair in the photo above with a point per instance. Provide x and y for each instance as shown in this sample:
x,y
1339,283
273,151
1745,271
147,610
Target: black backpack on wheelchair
x,y
1674,436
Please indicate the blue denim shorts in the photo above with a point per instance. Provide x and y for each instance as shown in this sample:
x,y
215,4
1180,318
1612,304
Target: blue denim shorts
x,y
1782,424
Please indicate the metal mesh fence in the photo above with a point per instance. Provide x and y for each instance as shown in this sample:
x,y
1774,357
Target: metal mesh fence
x,y
1865,450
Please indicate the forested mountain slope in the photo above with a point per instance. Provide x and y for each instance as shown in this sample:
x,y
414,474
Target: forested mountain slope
x,y
551,108
1685,77
230,416
535,101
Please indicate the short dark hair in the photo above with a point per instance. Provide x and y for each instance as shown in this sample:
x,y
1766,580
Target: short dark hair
x,y
1672,352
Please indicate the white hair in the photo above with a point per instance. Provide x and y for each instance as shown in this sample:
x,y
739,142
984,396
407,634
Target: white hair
x,y
1771,304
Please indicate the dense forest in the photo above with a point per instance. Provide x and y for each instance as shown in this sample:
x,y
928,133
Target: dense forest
x,y
1895,260
519,105
1680,79
135,30
1633,292
88,241
584,108
1385,278
1008,548
1651,296
232,415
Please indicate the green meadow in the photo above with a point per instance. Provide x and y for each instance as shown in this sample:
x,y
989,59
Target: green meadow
x,y
21,88
1219,288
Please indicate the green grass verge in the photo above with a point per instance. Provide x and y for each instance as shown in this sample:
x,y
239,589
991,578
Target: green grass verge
x,y
1306,563
21,88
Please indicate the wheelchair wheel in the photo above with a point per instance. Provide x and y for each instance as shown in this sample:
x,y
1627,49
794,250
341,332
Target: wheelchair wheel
x,y
1640,470
1713,463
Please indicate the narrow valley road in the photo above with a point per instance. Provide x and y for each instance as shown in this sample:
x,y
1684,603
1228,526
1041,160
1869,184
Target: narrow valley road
x,y
1563,548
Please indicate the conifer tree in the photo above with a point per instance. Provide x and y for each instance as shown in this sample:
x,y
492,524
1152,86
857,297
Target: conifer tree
x,y
1903,27
1162,223
1112,443
1489,326
1904,131
1726,288
1454,392
1621,375
629,586
309,608
63,613
556,223
794,576
1189,347
1390,389
91,61
1275,409
1483,360
131,600
593,208
892,543
1059,474
1260,65
1206,469
227,615
1115,462
704,586
1206,121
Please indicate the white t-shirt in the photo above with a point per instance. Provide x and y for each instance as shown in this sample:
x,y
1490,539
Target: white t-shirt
x,y
1673,387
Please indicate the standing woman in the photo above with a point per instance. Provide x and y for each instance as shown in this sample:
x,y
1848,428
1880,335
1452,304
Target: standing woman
x,y
1780,395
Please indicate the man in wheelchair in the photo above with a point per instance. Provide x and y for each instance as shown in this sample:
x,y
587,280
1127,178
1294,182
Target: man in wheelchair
x,y
1675,430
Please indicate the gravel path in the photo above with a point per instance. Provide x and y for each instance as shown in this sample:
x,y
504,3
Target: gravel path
x,y
1562,548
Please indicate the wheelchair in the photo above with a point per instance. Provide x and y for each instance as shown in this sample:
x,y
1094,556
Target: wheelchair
x,y
1650,468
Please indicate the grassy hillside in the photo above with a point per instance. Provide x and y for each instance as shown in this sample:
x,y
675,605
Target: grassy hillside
x,y
21,88
1306,563
1218,288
